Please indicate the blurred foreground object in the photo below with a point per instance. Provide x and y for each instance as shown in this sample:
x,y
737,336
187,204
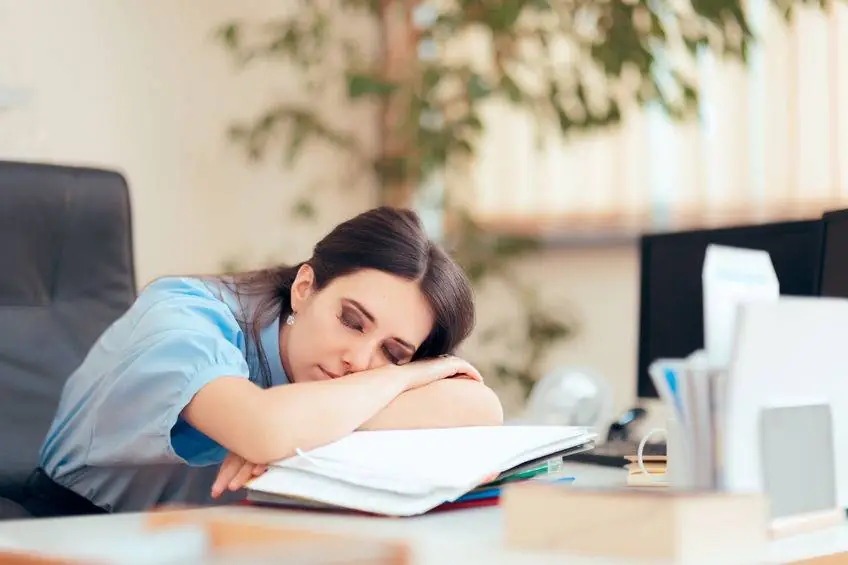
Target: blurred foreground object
x,y
206,537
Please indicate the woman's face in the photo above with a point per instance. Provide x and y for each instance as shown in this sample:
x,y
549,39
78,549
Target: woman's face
x,y
360,321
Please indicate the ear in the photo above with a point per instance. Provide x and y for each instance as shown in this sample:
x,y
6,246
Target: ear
x,y
302,288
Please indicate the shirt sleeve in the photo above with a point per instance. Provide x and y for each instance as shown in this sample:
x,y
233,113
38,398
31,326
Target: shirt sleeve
x,y
181,336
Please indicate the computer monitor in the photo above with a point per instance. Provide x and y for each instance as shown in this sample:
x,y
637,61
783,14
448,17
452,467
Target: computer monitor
x,y
834,263
671,315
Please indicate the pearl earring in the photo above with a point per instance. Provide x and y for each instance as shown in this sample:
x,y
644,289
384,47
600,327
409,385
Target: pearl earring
x,y
290,319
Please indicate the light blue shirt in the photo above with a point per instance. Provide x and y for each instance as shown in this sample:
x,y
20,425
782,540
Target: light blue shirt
x,y
117,437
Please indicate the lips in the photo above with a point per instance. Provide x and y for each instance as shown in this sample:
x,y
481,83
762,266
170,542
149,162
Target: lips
x,y
327,373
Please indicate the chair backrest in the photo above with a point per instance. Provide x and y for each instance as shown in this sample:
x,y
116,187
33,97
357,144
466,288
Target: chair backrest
x,y
66,273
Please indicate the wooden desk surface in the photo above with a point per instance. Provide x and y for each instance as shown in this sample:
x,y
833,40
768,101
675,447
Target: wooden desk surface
x,y
470,537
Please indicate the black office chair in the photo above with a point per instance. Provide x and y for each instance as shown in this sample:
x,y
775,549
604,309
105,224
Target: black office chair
x,y
66,273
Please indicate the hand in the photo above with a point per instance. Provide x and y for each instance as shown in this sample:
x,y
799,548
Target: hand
x,y
424,372
234,473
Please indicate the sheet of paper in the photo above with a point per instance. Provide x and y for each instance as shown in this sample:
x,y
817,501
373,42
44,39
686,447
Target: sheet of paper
x,y
312,487
731,277
419,460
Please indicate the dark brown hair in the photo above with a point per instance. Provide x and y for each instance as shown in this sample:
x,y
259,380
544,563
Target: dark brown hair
x,y
386,239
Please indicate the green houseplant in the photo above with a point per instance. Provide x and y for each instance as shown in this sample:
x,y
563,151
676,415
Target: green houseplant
x,y
428,105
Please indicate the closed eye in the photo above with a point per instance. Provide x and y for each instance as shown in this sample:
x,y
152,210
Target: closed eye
x,y
350,320
397,353
353,315
393,359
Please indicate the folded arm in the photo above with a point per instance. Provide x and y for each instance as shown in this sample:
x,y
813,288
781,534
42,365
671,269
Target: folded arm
x,y
442,404
265,425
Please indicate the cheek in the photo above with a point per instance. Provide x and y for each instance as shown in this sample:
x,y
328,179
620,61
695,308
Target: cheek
x,y
315,334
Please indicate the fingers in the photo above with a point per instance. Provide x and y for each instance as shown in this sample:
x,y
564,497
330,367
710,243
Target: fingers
x,y
424,372
241,478
462,368
472,372
470,375
235,472
229,469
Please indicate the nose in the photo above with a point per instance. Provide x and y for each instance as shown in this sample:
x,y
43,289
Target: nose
x,y
358,356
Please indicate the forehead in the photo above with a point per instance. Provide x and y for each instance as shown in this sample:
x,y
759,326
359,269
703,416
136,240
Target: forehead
x,y
399,307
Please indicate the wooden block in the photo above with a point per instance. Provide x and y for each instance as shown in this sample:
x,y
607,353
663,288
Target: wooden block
x,y
654,481
653,524
805,523
21,558
832,559
243,539
226,532
246,533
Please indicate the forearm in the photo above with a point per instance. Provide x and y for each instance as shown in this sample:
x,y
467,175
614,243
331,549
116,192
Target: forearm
x,y
442,404
267,425
320,412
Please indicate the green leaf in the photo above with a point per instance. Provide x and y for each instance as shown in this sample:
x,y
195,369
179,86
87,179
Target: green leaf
x,y
372,6
430,78
463,146
230,35
299,133
614,112
305,209
513,246
391,170
502,16
449,23
478,88
471,121
511,88
565,123
476,271
545,329
490,334
288,42
504,372
359,85
238,132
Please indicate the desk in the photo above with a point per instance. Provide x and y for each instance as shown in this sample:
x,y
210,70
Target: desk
x,y
467,537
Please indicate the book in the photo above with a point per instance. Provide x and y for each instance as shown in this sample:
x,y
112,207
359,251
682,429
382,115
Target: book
x,y
655,465
411,472
637,525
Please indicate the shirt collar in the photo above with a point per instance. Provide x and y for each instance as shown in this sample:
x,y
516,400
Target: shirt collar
x,y
270,339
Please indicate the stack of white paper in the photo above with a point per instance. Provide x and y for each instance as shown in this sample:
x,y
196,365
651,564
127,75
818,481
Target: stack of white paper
x,y
409,472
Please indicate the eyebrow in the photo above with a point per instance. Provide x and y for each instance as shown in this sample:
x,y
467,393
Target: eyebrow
x,y
370,316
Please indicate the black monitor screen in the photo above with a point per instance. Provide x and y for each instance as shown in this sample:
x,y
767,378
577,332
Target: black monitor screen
x,y
671,316
834,273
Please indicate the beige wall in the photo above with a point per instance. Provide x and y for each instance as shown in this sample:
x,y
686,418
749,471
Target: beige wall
x,y
598,287
142,87
601,286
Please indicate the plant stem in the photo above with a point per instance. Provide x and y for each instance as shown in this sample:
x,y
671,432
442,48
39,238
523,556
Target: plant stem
x,y
399,42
